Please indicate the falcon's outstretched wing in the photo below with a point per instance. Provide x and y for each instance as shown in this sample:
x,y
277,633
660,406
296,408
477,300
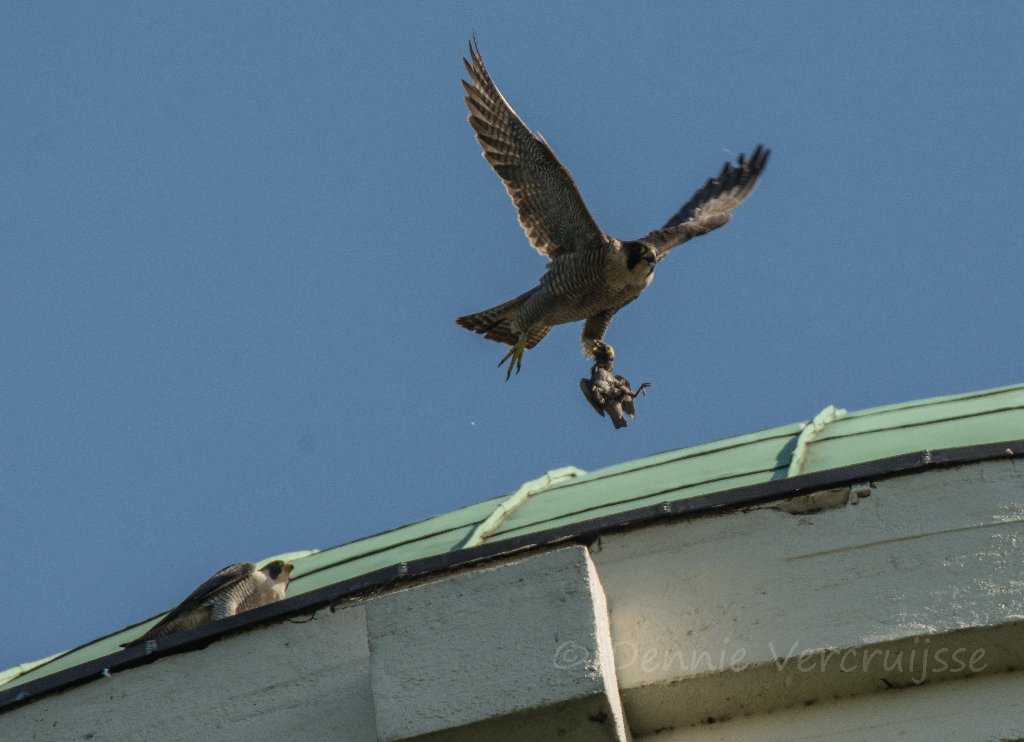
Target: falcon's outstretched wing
x,y
711,206
551,210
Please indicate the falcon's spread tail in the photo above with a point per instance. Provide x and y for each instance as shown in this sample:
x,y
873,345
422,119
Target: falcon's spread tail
x,y
496,323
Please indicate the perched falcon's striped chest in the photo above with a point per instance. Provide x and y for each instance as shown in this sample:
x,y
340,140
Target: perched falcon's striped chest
x,y
232,590
260,588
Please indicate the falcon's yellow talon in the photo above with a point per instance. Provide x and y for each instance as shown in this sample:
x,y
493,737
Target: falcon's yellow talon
x,y
514,358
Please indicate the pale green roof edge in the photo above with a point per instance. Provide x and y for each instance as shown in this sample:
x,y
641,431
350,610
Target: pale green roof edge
x,y
567,495
506,507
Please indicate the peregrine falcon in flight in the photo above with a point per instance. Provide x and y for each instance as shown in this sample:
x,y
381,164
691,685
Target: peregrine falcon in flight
x,y
234,589
591,275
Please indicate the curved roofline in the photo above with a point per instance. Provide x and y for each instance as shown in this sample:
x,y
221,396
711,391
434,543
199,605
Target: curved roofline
x,y
584,532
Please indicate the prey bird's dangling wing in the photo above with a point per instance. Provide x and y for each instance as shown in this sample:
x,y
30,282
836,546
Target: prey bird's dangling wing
x,y
551,210
711,206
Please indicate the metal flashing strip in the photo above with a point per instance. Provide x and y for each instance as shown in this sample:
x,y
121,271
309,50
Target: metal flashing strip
x,y
583,532
809,432
917,404
509,505
23,668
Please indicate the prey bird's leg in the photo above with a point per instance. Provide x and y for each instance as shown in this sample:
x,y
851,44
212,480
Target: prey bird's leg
x,y
640,391
514,357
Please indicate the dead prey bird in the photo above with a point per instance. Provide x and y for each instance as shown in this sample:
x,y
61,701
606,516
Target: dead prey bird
x,y
608,392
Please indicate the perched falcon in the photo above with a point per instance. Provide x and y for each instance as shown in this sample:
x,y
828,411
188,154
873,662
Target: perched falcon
x,y
591,275
234,589
607,391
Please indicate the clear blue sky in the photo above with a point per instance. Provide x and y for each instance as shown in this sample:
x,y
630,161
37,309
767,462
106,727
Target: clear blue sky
x,y
234,238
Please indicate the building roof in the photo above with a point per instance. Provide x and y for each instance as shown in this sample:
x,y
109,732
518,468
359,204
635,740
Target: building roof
x,y
834,439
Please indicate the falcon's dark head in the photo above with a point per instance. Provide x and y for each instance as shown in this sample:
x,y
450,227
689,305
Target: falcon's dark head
x,y
274,569
640,253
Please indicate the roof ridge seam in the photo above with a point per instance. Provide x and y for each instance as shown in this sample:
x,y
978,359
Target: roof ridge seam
x,y
811,431
916,404
921,423
514,501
